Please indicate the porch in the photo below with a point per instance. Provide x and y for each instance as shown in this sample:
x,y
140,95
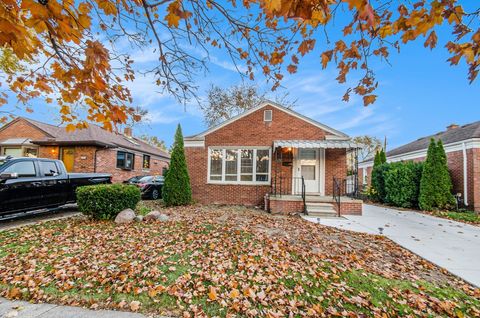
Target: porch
x,y
317,178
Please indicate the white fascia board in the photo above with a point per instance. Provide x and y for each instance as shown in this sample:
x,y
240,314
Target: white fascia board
x,y
193,143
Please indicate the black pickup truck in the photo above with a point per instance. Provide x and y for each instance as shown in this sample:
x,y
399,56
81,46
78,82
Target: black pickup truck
x,y
35,183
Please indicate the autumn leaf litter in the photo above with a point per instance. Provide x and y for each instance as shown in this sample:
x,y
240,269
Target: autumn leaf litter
x,y
229,262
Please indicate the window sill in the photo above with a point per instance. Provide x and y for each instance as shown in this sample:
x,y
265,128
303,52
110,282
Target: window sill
x,y
258,183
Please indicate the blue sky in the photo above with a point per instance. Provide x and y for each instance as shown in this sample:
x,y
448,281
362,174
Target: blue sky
x,y
418,94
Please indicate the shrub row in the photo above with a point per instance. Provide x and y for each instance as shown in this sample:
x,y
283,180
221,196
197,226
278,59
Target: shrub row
x,y
397,183
425,185
105,201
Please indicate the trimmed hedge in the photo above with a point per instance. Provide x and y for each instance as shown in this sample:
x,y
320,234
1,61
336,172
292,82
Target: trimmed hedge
x,y
105,201
378,181
402,183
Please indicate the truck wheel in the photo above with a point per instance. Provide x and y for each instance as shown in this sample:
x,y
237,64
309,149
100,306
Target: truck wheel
x,y
155,194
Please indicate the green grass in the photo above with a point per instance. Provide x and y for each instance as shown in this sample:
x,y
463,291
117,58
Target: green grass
x,y
467,216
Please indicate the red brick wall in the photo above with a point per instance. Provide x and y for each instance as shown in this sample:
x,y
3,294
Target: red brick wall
x,y
19,129
50,152
285,207
107,163
251,130
335,166
473,168
349,207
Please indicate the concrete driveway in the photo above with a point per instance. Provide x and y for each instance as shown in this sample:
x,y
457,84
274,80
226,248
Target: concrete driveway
x,y
452,245
35,217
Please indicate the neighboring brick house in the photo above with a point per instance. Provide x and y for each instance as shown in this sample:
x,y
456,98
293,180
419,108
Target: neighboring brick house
x,y
268,150
84,150
462,146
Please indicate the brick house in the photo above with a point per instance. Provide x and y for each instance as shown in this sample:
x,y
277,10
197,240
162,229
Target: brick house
x,y
85,150
462,146
270,156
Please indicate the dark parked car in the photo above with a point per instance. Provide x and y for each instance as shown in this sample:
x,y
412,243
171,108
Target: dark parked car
x,y
35,183
151,187
134,180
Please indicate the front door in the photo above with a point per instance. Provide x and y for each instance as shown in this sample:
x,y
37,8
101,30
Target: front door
x,y
308,165
68,155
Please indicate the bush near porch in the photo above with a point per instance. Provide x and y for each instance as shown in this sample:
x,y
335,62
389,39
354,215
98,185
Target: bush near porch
x,y
226,262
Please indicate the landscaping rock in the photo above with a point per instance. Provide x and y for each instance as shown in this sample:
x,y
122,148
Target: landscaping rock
x,y
139,218
156,215
126,216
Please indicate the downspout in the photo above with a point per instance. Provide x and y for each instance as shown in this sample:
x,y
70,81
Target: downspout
x,y
465,175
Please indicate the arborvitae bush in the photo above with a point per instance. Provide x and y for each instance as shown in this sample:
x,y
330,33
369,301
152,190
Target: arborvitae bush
x,y
176,189
378,181
436,183
402,182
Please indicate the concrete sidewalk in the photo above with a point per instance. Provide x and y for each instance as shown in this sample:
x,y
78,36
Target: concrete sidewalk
x,y
23,309
449,244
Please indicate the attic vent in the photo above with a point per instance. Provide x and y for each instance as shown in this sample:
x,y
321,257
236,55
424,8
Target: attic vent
x,y
267,115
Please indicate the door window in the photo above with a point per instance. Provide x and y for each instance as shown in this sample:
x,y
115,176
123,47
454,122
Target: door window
x,y
308,172
22,168
49,168
308,154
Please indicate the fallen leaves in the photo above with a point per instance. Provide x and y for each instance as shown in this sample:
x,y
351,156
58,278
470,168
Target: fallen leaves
x,y
223,261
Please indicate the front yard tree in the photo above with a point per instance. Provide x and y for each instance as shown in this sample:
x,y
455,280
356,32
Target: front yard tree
x,y
370,145
225,103
436,184
177,190
79,53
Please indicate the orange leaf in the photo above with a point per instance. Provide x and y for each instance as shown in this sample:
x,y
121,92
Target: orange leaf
x,y
212,294
369,99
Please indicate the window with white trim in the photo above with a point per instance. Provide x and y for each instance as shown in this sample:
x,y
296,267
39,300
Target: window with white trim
x,y
243,166
267,115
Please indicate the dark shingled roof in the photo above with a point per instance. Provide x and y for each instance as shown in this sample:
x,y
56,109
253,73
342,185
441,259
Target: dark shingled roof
x,y
447,137
92,135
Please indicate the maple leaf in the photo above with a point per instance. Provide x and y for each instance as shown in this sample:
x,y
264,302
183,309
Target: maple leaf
x,y
369,99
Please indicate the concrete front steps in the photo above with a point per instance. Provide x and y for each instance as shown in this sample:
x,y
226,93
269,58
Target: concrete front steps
x,y
321,209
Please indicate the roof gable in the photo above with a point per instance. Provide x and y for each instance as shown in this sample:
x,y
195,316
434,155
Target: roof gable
x,y
47,129
262,105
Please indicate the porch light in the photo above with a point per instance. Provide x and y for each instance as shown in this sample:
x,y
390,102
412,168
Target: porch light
x,y
289,149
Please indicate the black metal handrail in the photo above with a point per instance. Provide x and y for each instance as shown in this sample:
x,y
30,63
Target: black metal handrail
x,y
304,197
282,185
337,192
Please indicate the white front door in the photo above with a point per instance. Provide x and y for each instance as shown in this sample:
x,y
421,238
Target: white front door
x,y
309,165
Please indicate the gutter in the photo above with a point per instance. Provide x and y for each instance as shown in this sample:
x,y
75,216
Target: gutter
x,y
465,175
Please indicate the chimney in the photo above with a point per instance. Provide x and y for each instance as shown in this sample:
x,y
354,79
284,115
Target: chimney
x,y
127,131
452,126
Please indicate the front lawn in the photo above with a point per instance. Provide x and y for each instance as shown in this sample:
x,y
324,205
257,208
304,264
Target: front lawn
x,y
225,261
469,217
